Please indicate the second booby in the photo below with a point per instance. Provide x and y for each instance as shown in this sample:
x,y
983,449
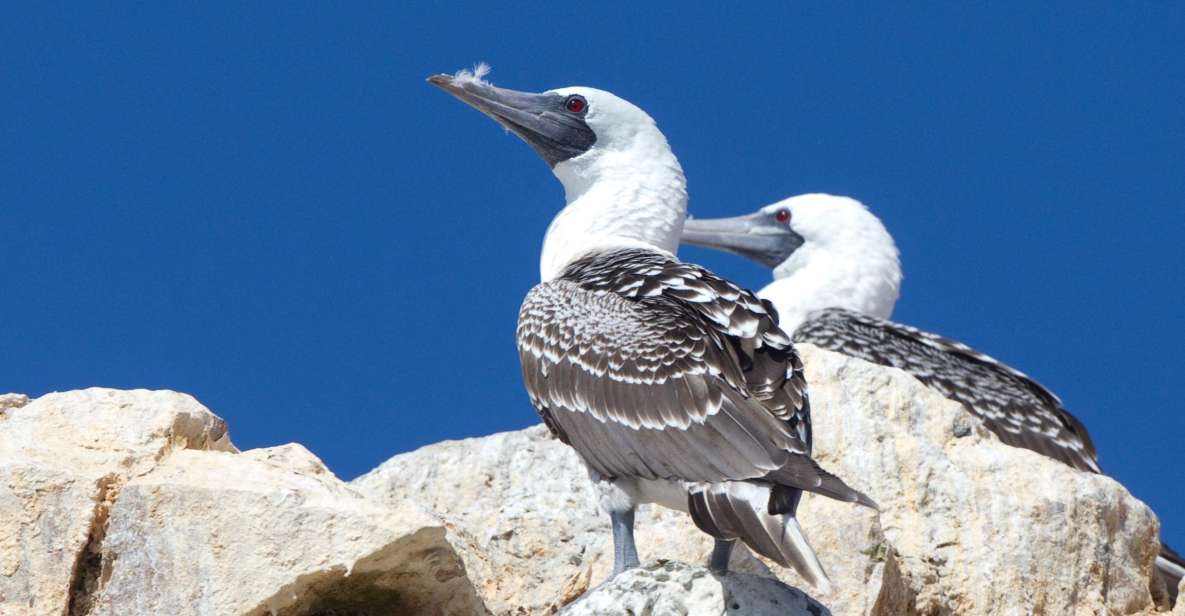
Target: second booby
x,y
674,385
837,277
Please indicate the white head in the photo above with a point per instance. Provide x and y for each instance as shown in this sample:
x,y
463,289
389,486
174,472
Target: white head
x,y
623,185
825,252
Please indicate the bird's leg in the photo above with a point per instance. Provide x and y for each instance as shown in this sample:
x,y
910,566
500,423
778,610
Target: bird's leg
x,y
625,553
721,552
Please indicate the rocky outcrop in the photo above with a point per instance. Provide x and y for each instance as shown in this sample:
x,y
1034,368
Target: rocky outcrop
x,y
524,501
63,460
136,502
189,534
118,502
967,525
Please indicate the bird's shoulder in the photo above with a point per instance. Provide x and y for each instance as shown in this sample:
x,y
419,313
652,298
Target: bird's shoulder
x,y
636,359
659,318
653,278
655,316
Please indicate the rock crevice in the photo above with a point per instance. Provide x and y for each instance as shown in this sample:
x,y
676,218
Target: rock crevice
x,y
89,566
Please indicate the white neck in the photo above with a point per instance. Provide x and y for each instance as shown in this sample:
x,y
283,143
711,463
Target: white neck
x,y
633,198
862,274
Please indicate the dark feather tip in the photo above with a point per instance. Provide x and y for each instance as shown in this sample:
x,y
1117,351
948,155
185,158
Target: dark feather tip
x,y
863,499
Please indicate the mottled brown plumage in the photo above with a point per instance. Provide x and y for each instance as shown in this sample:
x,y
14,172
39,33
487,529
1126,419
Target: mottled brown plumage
x,y
1016,408
657,369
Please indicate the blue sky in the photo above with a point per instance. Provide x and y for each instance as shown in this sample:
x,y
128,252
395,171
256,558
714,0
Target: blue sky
x,y
268,207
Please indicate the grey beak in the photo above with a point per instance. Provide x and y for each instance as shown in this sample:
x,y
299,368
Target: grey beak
x,y
539,119
755,236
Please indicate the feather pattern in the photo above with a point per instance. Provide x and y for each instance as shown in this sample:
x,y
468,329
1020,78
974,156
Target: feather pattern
x,y
1016,408
656,369
733,510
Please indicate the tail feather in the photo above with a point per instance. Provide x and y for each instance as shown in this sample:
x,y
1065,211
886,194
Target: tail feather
x,y
804,473
738,510
1171,567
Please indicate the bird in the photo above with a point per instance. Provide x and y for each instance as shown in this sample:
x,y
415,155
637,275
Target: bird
x,y
673,385
837,277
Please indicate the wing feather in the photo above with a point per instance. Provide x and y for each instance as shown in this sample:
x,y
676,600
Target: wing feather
x,y
658,369
1016,408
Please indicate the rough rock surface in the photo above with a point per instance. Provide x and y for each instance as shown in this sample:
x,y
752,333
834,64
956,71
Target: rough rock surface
x,y
968,525
11,401
187,536
63,458
117,502
668,587
136,502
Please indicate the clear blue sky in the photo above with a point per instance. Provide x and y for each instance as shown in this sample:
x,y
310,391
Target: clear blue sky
x,y
268,207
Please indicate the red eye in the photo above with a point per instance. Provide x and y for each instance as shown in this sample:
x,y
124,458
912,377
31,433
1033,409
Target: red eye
x,y
575,104
783,216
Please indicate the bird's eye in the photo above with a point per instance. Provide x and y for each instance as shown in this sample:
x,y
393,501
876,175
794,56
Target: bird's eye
x,y
783,216
575,104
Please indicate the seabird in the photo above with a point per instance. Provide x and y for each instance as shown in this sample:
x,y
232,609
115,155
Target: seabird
x,y
674,386
837,277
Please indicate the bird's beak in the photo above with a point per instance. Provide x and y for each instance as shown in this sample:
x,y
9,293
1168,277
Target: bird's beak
x,y
754,236
538,119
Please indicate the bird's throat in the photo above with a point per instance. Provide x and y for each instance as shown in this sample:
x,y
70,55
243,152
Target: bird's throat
x,y
643,208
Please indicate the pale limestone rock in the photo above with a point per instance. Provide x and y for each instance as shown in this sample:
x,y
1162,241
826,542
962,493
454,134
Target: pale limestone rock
x,y
109,431
62,458
975,526
271,531
678,588
968,525
523,500
135,503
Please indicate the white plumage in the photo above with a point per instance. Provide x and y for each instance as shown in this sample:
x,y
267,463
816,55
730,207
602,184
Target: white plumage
x,y
848,260
626,192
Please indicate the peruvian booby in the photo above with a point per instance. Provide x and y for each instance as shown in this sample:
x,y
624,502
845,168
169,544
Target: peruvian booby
x,y
837,277
674,386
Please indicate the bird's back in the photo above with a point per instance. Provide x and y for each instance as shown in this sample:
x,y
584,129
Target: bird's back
x,y
654,368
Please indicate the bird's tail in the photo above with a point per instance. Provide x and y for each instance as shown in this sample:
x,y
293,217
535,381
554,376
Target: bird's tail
x,y
1171,567
804,473
738,510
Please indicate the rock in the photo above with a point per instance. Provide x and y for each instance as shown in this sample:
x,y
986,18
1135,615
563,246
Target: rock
x,y
678,588
974,526
11,401
187,536
522,499
62,460
967,525
136,503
